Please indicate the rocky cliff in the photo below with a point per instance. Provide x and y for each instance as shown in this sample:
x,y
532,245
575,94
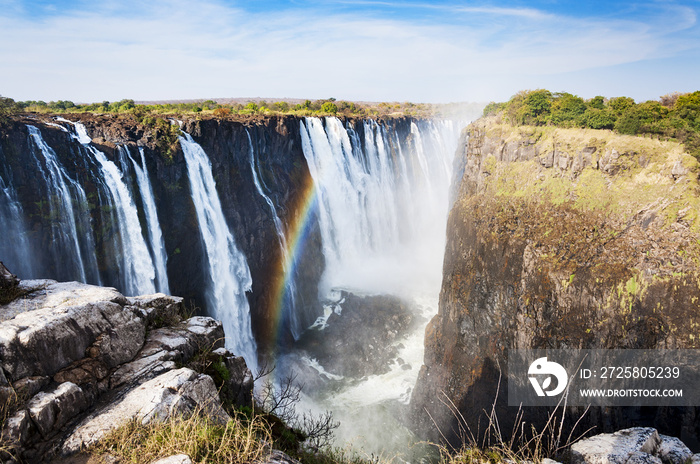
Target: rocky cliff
x,y
561,238
280,161
77,361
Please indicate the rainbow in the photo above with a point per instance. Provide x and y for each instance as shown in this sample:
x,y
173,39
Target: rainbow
x,y
297,231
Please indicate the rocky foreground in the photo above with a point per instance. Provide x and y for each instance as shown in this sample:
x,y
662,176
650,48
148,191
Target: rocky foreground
x,y
78,361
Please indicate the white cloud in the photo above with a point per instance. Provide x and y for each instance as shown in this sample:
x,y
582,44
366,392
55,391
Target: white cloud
x,y
178,49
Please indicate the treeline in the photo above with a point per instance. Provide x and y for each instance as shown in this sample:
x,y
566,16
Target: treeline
x,y
674,116
307,108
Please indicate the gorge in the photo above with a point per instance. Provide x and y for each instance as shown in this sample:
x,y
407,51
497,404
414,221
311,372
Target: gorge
x,y
323,246
263,224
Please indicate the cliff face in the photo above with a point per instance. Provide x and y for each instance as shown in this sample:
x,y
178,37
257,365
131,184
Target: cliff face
x,y
280,162
561,239
89,247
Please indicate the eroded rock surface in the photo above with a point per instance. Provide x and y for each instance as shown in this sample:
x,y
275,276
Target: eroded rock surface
x,y
76,362
561,239
173,393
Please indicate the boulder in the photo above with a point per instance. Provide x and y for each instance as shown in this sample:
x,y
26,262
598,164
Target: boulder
x,y
239,386
54,327
158,309
643,458
618,447
7,279
18,429
177,459
278,457
169,345
51,411
176,392
673,451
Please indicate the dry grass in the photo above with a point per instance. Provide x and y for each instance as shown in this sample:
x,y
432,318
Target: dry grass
x,y
239,441
522,445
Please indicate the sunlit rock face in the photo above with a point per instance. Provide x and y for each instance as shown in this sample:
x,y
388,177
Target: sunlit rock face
x,y
560,239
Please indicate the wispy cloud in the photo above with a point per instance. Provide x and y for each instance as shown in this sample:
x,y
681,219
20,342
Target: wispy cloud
x,y
181,49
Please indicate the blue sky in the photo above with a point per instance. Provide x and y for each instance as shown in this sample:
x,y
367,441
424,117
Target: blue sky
x,y
388,50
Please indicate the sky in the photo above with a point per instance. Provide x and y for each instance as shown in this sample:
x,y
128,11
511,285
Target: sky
x,y
361,50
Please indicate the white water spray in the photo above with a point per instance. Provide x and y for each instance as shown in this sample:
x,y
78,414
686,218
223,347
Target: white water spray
x,y
383,204
383,207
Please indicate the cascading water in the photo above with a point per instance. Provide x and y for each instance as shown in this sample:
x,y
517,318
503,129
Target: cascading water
x,y
72,246
383,204
291,315
137,269
229,275
155,234
16,253
383,207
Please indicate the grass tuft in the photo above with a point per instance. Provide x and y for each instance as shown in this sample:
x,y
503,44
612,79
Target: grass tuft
x,y
203,440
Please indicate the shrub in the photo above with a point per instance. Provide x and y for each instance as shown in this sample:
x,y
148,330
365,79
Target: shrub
x,y
567,109
329,107
598,118
222,112
597,102
620,104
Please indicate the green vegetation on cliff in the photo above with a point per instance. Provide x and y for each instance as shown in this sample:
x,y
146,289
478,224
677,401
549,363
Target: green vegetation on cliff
x,y
674,116
224,108
602,214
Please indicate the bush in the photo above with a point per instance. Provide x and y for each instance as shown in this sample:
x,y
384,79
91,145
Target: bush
x,y
329,107
620,104
222,112
7,107
595,118
567,110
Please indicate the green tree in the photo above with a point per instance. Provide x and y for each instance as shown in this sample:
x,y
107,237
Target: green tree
x,y
7,107
687,107
252,106
598,118
329,107
281,106
597,102
620,104
493,108
567,109
530,107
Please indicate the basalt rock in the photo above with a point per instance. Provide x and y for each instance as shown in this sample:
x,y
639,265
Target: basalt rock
x,y
561,239
361,335
7,279
76,362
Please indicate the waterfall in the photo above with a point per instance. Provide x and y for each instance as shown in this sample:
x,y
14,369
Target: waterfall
x,y
72,247
155,234
229,275
291,314
136,268
16,252
383,201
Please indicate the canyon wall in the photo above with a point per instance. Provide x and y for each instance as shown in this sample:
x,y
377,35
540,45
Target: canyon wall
x,y
560,238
